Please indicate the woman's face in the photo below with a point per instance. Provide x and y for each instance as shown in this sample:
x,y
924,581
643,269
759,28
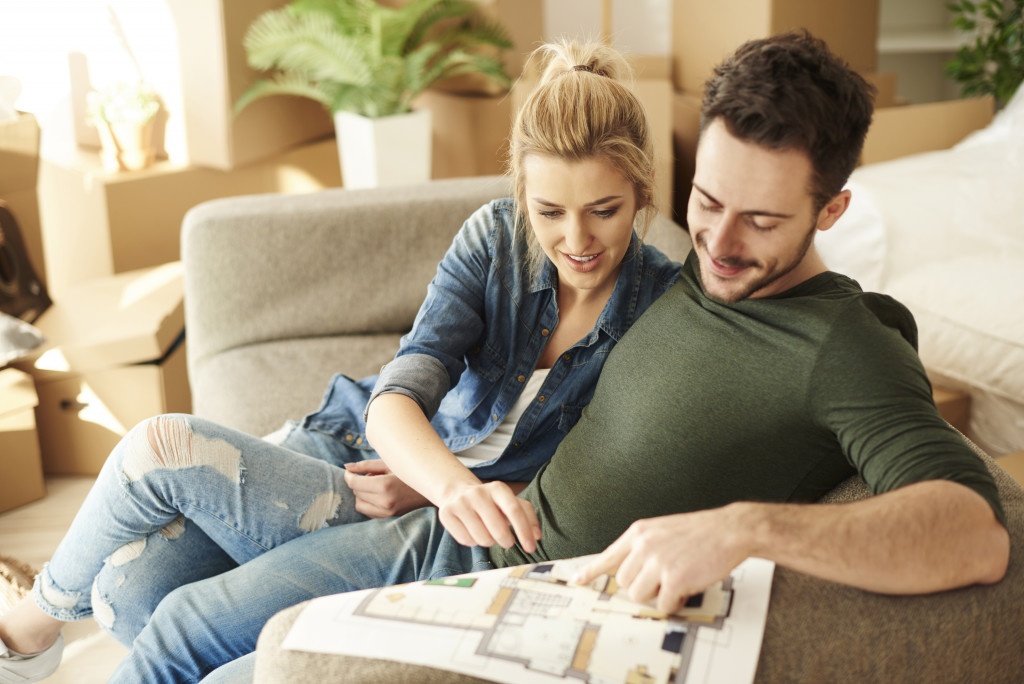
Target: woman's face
x,y
582,215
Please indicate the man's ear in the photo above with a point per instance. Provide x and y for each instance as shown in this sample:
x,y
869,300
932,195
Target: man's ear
x,y
835,208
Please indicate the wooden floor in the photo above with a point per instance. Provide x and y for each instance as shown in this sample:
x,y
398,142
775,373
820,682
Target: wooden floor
x,y
30,533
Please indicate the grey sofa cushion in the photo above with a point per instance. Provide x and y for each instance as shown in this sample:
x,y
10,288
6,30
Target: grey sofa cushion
x,y
257,387
816,631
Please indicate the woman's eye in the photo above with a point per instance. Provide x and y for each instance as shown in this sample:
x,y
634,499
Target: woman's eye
x,y
549,213
606,213
706,207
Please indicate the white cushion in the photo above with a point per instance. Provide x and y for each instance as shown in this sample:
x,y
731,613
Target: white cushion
x,y
970,318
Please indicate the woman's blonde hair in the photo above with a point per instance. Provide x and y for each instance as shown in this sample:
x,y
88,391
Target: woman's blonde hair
x,y
583,109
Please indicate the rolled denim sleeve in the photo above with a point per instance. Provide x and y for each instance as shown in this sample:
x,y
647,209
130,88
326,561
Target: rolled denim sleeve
x,y
431,357
420,377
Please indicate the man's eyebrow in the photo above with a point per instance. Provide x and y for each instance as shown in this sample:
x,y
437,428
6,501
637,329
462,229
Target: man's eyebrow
x,y
603,200
749,212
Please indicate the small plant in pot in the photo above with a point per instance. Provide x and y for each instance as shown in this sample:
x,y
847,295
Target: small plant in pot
x,y
123,114
365,63
992,63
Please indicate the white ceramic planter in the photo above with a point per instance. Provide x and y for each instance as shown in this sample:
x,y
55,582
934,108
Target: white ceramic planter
x,y
390,150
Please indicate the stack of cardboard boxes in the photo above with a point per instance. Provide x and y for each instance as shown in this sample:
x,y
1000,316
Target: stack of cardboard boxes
x,y
19,446
113,355
20,464
704,33
100,223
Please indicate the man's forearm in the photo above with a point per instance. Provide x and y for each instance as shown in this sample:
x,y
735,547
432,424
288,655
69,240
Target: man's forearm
x,y
926,537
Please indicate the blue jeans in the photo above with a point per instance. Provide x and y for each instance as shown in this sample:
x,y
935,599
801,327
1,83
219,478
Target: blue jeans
x,y
181,499
202,626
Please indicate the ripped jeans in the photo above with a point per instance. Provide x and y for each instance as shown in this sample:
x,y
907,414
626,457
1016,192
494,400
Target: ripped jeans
x,y
181,499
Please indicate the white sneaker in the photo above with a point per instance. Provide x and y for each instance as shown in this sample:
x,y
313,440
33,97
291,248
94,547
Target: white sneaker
x,y
18,668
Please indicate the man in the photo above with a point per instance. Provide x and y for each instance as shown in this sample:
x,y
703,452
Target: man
x,y
749,389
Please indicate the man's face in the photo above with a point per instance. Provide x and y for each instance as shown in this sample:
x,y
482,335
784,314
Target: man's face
x,y
752,218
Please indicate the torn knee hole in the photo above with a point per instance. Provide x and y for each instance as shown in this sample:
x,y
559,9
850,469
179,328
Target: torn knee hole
x,y
171,441
168,442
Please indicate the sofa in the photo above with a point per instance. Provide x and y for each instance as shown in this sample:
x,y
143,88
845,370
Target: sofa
x,y
282,291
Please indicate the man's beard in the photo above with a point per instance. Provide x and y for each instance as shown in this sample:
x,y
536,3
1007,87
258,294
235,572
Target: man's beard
x,y
758,283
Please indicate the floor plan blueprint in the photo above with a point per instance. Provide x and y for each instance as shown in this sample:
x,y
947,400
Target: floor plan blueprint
x,y
530,624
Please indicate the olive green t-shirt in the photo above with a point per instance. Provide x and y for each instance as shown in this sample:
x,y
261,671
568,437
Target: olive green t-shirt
x,y
779,399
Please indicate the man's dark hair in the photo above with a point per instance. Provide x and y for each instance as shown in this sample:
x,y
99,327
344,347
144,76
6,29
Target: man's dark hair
x,y
790,91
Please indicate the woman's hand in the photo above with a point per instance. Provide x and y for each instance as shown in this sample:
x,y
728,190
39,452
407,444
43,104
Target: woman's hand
x,y
489,513
379,492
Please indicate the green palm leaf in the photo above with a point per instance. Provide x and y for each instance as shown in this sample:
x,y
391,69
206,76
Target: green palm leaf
x,y
284,84
360,56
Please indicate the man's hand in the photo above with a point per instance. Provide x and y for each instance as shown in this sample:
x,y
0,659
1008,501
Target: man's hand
x,y
482,515
379,492
671,557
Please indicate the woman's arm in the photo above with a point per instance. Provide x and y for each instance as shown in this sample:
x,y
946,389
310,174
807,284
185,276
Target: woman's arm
x,y
474,512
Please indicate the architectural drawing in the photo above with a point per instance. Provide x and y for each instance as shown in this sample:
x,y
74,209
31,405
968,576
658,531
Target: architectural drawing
x,y
530,624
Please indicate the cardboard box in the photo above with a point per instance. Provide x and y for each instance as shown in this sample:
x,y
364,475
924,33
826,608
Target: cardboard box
x,y
20,462
911,129
954,406
885,82
654,89
470,132
19,170
114,356
215,74
99,224
705,33
685,134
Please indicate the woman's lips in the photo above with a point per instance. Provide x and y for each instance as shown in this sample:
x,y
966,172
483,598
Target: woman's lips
x,y
583,263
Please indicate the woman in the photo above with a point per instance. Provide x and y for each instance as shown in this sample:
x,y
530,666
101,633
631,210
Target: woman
x,y
504,353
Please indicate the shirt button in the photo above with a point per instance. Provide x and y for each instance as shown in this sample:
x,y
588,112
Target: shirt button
x,y
494,416
472,439
348,438
540,398
521,378
515,444
359,440
545,332
565,357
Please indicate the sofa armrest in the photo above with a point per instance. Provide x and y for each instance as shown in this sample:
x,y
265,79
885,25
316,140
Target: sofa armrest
x,y
270,267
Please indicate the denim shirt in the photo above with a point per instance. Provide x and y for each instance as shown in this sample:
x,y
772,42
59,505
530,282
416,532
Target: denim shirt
x,y
477,338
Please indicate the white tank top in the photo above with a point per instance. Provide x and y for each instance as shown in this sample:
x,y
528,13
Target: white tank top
x,y
496,442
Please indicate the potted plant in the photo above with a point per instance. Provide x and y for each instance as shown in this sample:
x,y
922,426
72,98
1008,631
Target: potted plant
x,y
123,114
993,62
365,63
